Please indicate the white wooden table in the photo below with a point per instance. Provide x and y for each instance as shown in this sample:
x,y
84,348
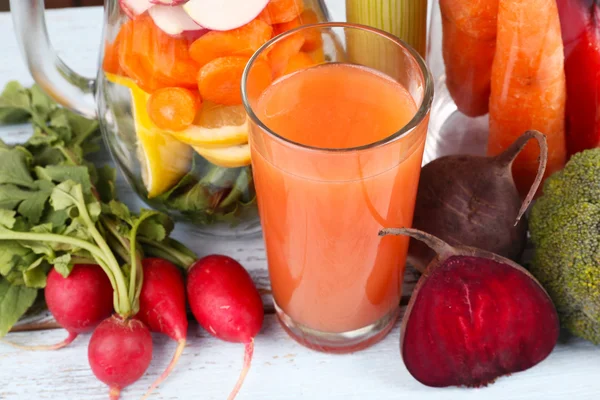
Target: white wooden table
x,y
282,369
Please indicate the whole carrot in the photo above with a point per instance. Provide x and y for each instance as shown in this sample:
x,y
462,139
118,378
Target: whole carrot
x,y
468,46
528,85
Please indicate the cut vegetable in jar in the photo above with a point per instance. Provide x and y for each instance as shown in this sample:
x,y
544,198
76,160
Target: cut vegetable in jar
x,y
224,15
312,38
164,159
243,41
528,86
280,11
173,108
468,47
217,126
172,19
134,8
501,321
299,62
228,157
219,80
168,2
283,50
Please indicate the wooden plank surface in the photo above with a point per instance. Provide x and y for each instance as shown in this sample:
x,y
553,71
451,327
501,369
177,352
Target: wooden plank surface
x,y
282,369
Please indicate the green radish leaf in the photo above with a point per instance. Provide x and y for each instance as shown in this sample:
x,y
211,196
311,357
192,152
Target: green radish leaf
x,y
13,255
15,104
120,211
35,275
11,195
63,265
61,173
41,104
7,218
14,167
14,302
105,184
64,195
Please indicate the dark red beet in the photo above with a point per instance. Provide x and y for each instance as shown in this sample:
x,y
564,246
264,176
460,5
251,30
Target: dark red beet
x,y
474,316
78,303
226,303
162,306
120,352
473,201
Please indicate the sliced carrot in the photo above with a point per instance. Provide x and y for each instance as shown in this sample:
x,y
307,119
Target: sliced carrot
x,y
173,108
243,41
528,85
468,46
110,63
170,59
219,81
312,37
298,62
282,51
279,11
131,62
259,78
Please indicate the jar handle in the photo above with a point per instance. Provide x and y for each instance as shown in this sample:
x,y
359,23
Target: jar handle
x,y
59,81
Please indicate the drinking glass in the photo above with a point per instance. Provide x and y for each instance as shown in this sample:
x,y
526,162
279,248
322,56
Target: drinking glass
x,y
336,283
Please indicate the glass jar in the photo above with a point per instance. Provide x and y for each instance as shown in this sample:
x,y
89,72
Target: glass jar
x,y
502,67
168,97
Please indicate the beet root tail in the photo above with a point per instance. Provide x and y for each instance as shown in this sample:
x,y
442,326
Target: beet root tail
x,y
49,347
248,352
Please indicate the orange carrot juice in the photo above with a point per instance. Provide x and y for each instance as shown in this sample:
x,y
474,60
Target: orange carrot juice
x,y
323,198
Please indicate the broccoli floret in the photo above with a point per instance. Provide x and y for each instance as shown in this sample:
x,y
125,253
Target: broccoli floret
x,y
565,230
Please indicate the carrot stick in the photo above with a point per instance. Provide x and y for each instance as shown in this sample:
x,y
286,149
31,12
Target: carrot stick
x,y
173,108
528,85
279,11
468,46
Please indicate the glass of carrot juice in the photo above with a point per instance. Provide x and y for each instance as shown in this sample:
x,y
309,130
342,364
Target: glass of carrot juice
x,y
336,150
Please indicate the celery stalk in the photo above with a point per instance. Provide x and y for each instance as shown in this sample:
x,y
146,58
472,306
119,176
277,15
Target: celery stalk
x,y
406,19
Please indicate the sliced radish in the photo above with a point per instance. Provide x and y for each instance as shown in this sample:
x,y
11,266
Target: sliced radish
x,y
172,19
224,15
168,2
134,8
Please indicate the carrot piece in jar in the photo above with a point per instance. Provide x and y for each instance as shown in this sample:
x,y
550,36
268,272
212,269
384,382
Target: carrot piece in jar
x,y
110,63
243,41
279,11
259,78
219,81
173,108
528,85
282,51
169,58
298,62
312,37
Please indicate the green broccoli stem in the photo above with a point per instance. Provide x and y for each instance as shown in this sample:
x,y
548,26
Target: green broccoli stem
x,y
169,253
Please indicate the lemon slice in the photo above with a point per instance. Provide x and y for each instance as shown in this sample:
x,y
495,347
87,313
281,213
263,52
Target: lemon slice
x,y
217,126
228,157
164,160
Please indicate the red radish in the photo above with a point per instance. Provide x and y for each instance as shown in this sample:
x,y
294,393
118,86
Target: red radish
x,y
224,15
134,8
172,20
162,306
226,303
78,303
119,352
168,2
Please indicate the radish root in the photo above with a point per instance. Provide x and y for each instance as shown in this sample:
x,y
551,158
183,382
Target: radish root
x,y
167,371
248,352
114,393
69,339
